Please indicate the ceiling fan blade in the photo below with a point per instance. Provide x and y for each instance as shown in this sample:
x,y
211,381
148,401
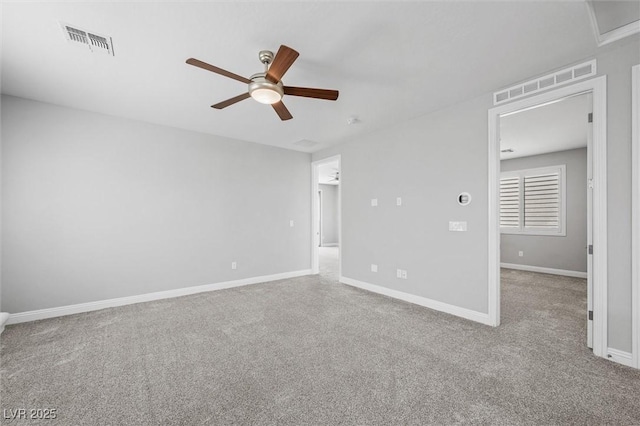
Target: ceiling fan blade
x,y
198,63
282,111
307,92
231,101
285,57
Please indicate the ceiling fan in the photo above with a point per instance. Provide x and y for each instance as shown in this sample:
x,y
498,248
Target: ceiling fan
x,y
267,87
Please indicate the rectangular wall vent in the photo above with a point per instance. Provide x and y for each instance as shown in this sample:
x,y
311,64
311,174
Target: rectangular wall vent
x,y
549,81
94,42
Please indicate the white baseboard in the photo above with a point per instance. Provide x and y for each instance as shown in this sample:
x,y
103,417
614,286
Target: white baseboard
x,y
624,358
563,272
121,301
4,316
419,300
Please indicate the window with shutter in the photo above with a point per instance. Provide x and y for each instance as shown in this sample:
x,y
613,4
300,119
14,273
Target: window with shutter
x,y
510,202
541,201
532,201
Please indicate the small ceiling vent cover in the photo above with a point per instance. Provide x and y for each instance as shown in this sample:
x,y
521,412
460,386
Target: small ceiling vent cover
x,y
94,42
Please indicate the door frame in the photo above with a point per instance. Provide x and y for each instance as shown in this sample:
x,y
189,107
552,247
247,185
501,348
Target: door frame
x,y
315,237
635,215
590,224
320,224
598,87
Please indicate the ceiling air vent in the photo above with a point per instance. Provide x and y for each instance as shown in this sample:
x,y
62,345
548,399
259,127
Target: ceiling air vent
x,y
94,42
568,75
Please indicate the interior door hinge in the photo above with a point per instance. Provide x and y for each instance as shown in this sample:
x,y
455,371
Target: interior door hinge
x,y
590,315
590,183
590,248
590,118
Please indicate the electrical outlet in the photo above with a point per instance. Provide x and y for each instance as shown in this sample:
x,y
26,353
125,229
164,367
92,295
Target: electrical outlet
x,y
404,274
399,273
520,253
234,265
374,267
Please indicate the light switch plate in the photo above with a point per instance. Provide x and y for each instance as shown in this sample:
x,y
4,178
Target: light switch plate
x,y
374,202
458,226
374,267
291,223
398,201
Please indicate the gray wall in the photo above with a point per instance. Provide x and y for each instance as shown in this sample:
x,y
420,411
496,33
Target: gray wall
x,y
329,214
416,157
558,252
98,207
413,161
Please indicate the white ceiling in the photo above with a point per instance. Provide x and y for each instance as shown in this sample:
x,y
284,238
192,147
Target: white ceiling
x,y
554,127
391,61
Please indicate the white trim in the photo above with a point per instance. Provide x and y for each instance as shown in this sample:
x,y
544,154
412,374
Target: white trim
x,y
598,87
4,316
418,300
546,82
624,358
543,270
635,215
315,237
315,220
330,244
121,301
493,193
613,35
320,216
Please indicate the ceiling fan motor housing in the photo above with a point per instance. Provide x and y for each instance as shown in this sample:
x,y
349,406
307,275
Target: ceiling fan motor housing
x,y
265,91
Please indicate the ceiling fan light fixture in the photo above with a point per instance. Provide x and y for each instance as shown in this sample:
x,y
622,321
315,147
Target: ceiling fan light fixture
x,y
266,96
267,87
264,91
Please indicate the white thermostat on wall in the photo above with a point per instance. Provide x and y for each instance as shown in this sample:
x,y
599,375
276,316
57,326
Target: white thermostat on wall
x,y
464,199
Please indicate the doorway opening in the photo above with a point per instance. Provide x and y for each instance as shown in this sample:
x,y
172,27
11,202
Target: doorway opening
x,y
545,217
326,218
595,185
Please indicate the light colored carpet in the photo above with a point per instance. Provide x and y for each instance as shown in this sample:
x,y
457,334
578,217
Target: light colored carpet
x,y
312,351
329,262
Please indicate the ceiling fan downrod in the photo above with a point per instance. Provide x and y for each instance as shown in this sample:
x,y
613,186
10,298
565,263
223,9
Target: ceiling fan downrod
x,y
265,56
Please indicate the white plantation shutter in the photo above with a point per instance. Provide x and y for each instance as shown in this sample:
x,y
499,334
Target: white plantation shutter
x,y
532,201
542,201
510,202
